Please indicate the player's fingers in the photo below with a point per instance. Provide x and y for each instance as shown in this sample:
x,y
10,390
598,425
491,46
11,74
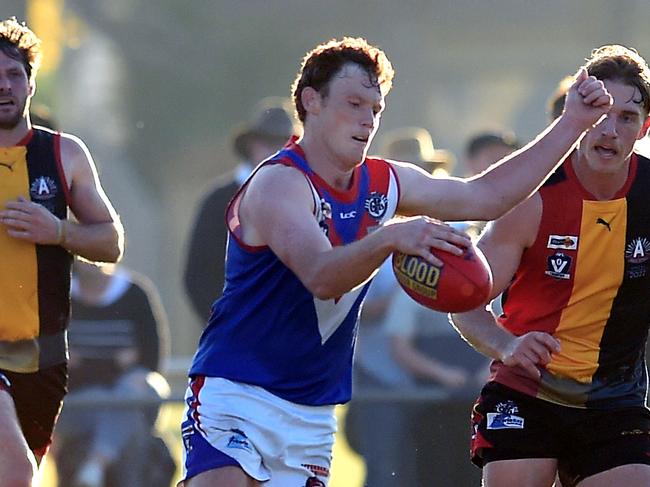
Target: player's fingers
x,y
429,256
16,223
20,234
551,343
580,76
447,246
526,364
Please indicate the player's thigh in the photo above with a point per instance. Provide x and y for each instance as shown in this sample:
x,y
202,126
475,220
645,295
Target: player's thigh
x,y
222,477
16,460
628,475
523,472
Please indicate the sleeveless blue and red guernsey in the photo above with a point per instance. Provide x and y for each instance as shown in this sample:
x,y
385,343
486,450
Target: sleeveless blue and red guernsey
x,y
267,329
34,279
586,281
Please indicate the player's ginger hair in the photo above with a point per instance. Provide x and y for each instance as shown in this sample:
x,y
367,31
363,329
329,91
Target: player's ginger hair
x,y
321,64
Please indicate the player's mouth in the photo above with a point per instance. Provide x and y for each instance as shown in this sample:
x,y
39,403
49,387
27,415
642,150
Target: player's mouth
x,y
606,152
7,102
361,139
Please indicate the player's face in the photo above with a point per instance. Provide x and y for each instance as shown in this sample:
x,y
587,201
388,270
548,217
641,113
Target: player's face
x,y
607,147
15,90
350,114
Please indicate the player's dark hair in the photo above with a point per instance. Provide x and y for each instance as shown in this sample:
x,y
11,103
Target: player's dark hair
x,y
619,63
18,42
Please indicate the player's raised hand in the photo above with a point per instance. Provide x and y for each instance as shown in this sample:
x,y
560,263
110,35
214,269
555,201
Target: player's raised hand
x,y
530,351
587,100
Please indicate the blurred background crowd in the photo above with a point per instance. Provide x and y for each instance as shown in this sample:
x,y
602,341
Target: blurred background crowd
x,y
178,101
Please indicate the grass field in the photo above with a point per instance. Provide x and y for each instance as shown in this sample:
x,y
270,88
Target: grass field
x,y
348,469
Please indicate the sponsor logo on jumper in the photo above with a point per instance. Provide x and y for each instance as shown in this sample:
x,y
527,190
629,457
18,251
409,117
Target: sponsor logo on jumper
x,y
565,242
505,417
558,266
347,215
43,188
376,204
8,165
603,222
239,441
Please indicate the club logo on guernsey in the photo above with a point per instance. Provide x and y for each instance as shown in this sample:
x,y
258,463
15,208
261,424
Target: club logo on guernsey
x,y
43,188
638,250
376,205
637,253
505,417
558,266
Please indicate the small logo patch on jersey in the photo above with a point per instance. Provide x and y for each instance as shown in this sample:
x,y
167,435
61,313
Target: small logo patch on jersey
x,y
565,242
638,250
558,266
376,204
43,188
239,441
505,417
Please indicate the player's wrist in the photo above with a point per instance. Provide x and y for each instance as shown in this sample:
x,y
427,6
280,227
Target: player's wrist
x,y
61,232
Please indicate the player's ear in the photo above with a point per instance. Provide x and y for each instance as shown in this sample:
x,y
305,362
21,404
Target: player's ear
x,y
644,129
311,100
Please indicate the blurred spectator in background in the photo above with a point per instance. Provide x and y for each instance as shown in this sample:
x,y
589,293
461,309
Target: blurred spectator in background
x,y
387,451
118,336
269,129
481,151
485,148
41,115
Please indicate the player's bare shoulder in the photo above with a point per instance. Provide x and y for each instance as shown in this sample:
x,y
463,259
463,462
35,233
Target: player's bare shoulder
x,y
274,183
75,157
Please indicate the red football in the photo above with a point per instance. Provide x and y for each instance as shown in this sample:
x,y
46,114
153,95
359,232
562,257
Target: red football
x,y
463,282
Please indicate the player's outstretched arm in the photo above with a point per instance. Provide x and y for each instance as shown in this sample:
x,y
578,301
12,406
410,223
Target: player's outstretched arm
x,y
493,193
503,248
278,210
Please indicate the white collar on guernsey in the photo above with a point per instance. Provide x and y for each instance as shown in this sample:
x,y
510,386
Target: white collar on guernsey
x,y
116,288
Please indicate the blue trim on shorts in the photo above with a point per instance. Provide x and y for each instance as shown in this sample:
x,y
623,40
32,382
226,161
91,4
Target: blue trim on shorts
x,y
201,456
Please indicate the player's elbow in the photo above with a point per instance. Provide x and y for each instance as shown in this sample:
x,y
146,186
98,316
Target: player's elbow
x,y
322,291
319,287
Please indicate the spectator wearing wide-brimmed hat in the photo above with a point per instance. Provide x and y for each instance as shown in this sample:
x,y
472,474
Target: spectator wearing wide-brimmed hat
x,y
268,129
414,144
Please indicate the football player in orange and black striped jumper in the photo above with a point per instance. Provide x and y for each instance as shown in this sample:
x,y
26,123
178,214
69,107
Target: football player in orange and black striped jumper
x,y
43,175
567,392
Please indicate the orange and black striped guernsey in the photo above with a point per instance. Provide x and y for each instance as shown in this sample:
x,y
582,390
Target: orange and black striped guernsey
x,y
34,279
586,280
